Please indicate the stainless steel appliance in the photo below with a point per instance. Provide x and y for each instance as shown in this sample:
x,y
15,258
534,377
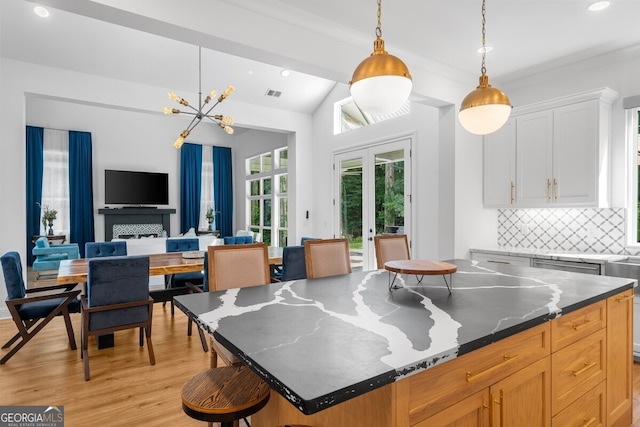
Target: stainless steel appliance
x,y
573,266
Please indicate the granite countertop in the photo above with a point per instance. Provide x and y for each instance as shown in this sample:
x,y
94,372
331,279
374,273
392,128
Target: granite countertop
x,y
548,254
322,341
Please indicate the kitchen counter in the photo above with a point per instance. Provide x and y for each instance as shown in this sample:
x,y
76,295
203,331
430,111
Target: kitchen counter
x,y
552,255
323,341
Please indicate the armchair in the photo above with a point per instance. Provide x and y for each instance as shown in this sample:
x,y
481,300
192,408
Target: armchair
x,y
180,280
117,298
48,257
32,313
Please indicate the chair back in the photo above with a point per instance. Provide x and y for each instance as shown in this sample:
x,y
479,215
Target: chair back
x,y
182,245
238,266
327,257
293,265
391,247
103,249
304,239
116,280
238,240
13,277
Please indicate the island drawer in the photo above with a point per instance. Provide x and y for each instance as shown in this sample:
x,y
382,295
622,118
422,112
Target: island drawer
x,y
578,324
576,369
589,409
436,388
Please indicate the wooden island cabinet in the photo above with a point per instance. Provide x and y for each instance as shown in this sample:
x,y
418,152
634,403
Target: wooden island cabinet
x,y
510,346
571,371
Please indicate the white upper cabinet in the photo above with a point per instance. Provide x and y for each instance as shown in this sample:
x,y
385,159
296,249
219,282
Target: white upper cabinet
x,y
561,154
500,166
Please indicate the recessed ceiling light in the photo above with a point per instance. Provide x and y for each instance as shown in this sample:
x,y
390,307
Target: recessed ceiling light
x,y
285,73
485,49
41,11
599,5
250,72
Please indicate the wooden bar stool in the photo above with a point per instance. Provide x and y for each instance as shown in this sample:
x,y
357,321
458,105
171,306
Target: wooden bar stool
x,y
224,395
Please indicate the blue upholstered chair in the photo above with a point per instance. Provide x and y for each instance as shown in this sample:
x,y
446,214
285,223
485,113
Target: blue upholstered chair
x,y
180,280
32,313
48,257
293,265
238,240
117,298
102,249
304,239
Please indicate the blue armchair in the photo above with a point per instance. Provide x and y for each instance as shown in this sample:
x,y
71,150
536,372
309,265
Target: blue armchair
x,y
102,249
48,257
238,240
180,280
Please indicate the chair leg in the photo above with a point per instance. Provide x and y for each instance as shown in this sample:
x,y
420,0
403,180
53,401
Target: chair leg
x,y
27,324
141,336
85,354
189,327
203,340
213,363
67,321
152,357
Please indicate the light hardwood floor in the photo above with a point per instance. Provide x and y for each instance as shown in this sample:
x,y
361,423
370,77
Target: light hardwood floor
x,y
124,390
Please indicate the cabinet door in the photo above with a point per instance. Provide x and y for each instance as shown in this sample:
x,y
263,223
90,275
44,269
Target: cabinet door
x,y
500,166
534,135
523,399
575,150
470,412
619,359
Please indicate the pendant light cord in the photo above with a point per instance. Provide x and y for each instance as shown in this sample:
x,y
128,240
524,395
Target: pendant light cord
x,y
379,27
483,68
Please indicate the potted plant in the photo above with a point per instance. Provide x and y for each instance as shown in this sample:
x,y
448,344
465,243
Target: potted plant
x,y
210,215
48,215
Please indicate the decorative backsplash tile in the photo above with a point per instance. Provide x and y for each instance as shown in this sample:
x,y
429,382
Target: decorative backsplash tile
x,y
565,230
128,230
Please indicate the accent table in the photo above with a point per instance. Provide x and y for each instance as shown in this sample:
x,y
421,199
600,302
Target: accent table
x,y
421,268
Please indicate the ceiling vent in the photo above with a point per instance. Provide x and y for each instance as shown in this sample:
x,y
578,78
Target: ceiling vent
x,y
274,93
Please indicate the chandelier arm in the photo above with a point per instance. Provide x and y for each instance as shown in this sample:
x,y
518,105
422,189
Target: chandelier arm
x,y
213,119
211,109
194,122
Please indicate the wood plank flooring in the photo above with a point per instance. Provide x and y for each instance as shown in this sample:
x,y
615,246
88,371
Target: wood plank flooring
x,y
124,390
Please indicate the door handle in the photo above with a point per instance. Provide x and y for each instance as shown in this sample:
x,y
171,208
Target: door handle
x,y
370,238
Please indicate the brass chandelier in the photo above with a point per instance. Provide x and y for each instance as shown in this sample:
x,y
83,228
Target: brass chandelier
x,y
485,109
199,113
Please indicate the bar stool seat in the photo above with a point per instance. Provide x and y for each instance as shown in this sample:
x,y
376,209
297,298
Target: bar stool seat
x,y
224,395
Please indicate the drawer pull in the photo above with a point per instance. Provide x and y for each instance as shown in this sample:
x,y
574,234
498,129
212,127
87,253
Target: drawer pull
x,y
587,366
498,262
506,359
587,423
622,299
582,325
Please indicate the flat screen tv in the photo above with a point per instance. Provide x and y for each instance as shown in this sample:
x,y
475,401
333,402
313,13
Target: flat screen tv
x,y
136,188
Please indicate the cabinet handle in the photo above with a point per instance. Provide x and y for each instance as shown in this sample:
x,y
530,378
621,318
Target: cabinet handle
x,y
623,299
582,325
498,262
587,423
548,190
511,192
506,359
587,366
555,190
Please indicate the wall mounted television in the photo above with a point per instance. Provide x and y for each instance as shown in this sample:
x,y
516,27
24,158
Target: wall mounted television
x,y
135,188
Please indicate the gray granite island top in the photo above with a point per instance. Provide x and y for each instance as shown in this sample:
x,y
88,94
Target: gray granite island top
x,y
322,341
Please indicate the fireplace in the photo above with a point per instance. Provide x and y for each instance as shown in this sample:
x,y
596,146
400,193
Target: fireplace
x,y
129,222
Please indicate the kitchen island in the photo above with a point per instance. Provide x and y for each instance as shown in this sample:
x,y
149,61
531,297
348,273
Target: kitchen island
x,y
521,345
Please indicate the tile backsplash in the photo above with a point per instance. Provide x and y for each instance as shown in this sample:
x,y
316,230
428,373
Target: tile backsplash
x,y
564,230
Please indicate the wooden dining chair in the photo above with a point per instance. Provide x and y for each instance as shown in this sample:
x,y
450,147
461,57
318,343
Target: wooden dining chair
x,y
327,257
117,298
391,247
235,266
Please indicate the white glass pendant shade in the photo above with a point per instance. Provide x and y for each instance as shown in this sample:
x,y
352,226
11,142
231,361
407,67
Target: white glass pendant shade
x,y
484,110
381,83
381,94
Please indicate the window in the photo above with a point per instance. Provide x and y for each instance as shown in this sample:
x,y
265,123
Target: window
x,y
206,188
633,129
348,116
55,178
267,201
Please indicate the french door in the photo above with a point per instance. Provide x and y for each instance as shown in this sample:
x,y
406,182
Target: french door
x,y
372,196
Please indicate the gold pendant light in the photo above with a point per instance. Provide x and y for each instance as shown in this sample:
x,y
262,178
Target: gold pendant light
x,y
486,109
381,83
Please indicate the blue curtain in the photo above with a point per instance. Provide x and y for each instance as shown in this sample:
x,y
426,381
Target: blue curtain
x,y
223,189
80,189
34,167
190,176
